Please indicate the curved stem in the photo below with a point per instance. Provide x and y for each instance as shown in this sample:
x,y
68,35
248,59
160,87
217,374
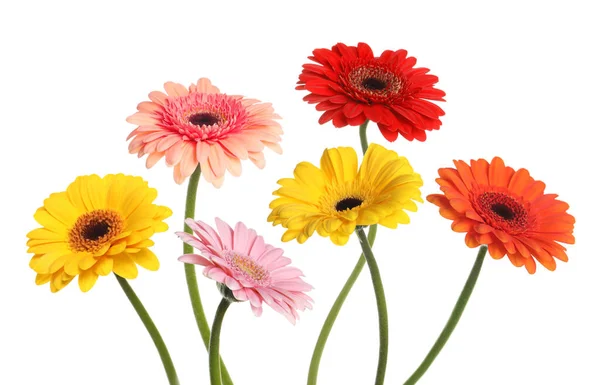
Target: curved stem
x,y
163,352
190,270
313,371
381,305
461,303
362,132
214,361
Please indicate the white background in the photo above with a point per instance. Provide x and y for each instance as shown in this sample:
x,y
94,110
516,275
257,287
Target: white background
x,y
521,80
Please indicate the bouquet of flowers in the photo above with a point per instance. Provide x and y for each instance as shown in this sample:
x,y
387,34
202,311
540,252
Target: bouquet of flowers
x,y
103,225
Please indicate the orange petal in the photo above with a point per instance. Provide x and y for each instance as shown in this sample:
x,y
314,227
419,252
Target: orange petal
x,y
480,171
471,239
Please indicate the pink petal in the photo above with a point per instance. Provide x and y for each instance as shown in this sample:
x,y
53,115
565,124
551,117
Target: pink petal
x,y
226,233
258,248
232,283
257,310
204,85
286,273
195,259
216,274
253,297
240,237
175,89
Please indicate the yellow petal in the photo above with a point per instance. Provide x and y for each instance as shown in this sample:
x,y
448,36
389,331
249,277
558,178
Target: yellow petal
x,y
74,192
143,244
58,264
339,164
87,280
117,248
349,215
331,224
147,259
72,264
44,218
115,193
59,280
104,266
101,251
124,266
339,239
41,279
42,264
60,207
87,262
160,227
48,248
289,235
95,192
46,235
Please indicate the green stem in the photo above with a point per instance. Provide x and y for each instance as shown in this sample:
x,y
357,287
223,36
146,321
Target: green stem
x,y
190,271
214,361
461,303
381,305
362,132
163,352
313,371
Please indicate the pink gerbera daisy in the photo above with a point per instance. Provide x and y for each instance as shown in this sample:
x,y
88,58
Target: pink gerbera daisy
x,y
200,126
253,270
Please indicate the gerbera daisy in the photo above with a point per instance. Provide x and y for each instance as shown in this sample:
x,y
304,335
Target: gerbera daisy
x,y
253,270
506,210
97,226
352,85
336,197
200,126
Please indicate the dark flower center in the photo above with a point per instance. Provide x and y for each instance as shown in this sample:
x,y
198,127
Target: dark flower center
x,y
502,211
92,230
203,119
95,230
374,84
348,204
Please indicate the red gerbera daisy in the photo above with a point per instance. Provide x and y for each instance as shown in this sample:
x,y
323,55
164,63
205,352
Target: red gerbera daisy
x,y
506,210
352,85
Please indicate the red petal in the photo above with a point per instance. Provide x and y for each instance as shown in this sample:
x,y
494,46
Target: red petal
x,y
389,135
352,110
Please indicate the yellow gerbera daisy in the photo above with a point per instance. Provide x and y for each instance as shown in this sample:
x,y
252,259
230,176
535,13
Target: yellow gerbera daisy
x,y
97,226
336,198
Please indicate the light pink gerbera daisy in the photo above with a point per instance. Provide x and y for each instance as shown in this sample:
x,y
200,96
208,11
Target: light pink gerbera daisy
x,y
200,126
253,270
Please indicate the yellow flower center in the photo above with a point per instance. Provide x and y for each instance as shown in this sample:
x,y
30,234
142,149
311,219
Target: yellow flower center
x,y
94,229
248,268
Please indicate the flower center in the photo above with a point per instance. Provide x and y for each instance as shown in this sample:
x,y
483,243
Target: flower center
x,y
248,268
94,229
502,211
348,203
203,119
374,81
374,84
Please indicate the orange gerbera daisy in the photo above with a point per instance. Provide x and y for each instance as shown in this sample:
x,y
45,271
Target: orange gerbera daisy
x,y
506,210
198,125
